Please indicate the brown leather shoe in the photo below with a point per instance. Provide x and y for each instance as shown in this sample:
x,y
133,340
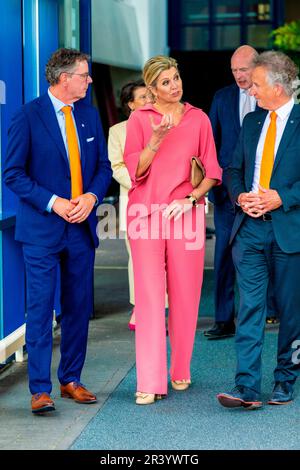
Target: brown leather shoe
x,y
77,392
41,403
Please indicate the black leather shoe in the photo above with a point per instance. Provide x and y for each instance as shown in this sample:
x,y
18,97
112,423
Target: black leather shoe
x,y
282,394
220,330
240,396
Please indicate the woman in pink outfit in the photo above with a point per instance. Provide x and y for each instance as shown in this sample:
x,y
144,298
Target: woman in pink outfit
x,y
133,96
166,226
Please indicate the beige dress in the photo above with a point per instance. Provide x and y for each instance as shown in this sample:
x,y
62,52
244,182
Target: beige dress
x,y
116,144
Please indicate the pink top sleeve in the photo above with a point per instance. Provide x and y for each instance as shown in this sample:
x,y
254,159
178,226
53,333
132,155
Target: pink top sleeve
x,y
207,151
134,145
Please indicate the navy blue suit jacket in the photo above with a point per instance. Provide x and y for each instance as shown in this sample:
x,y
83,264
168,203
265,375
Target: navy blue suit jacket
x,y
225,120
285,178
37,166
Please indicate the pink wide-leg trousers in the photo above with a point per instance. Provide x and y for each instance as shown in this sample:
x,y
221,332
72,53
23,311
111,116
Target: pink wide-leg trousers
x,y
175,259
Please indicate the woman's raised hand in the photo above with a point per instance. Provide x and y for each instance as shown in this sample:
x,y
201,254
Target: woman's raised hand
x,y
160,130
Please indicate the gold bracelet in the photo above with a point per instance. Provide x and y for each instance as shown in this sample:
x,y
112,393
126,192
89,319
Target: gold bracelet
x,y
153,149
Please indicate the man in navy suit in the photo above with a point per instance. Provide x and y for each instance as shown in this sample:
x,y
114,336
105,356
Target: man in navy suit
x,y
56,225
228,109
264,185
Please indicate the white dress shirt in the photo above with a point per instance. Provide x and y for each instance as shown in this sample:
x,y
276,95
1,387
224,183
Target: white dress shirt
x,y
282,117
242,100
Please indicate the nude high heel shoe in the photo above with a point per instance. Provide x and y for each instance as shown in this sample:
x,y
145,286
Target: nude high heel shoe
x,y
181,385
146,398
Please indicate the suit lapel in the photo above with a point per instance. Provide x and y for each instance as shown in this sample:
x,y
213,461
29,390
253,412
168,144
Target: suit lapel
x,y
290,129
236,107
253,142
80,125
46,112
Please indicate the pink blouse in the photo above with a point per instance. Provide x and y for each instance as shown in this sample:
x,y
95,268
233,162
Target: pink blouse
x,y
168,176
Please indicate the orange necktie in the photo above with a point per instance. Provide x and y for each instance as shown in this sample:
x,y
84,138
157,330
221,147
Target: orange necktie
x,y
74,155
267,160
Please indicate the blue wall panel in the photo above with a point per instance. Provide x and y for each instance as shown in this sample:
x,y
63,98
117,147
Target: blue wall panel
x,y
30,49
85,22
40,26
29,33
48,36
11,72
14,283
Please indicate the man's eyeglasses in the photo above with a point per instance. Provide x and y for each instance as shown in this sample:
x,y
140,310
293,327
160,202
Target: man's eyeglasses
x,y
85,76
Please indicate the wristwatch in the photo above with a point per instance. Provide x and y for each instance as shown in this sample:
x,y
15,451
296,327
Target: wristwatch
x,y
192,199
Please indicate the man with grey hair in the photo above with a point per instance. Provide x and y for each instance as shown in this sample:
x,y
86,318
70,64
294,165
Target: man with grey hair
x,y
57,165
264,183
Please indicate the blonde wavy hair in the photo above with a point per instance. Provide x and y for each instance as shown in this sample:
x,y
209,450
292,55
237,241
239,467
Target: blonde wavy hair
x,y
154,67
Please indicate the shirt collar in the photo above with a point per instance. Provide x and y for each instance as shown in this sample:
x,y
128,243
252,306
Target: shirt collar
x,y
284,111
244,92
58,104
146,107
